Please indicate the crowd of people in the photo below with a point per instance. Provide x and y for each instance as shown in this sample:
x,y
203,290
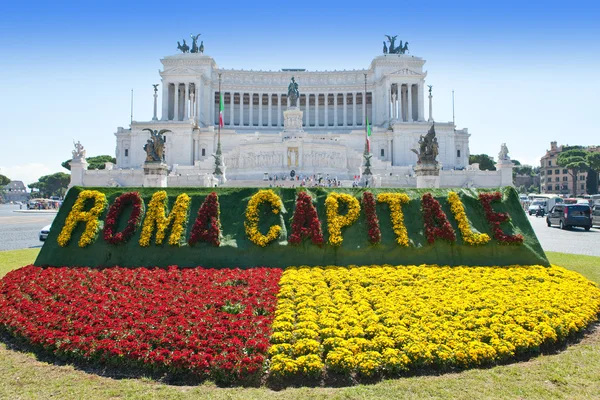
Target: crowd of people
x,y
304,181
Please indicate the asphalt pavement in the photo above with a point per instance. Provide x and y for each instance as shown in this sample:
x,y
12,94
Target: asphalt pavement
x,y
20,230
572,240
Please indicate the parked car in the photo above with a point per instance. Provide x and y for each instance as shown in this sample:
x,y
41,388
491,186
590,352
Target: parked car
x,y
596,215
44,233
568,215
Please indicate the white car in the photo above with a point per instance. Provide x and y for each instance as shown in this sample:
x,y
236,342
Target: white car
x,y
533,207
44,233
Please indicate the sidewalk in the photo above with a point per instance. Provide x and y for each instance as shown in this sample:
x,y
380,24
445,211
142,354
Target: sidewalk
x,y
36,211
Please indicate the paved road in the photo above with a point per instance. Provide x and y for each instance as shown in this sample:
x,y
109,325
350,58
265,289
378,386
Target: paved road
x,y
20,230
574,240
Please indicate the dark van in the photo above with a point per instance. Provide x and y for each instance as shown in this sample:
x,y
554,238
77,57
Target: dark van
x,y
568,215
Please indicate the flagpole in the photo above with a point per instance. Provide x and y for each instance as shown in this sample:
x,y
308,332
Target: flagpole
x,y
367,156
219,132
218,170
366,127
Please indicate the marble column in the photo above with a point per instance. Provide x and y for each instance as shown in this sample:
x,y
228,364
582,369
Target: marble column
x,y
165,101
241,109
388,90
420,102
344,109
176,102
279,109
389,150
260,109
270,105
353,108
430,108
198,100
307,111
186,100
335,109
231,109
316,109
326,104
250,109
409,96
192,103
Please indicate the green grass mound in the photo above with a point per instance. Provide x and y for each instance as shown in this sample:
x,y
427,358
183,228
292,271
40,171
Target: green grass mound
x,y
236,249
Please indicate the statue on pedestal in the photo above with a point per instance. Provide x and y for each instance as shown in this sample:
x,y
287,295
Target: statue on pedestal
x,y
395,50
194,43
79,151
184,48
428,148
293,93
503,155
155,146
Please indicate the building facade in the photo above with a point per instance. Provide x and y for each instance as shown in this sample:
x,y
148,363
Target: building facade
x,y
558,180
14,191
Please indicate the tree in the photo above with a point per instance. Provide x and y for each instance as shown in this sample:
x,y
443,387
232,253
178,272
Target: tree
x,y
575,160
486,163
534,189
96,162
593,159
4,180
591,183
52,185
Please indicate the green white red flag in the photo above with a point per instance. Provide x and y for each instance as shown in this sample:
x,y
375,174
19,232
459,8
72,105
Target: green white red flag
x,y
221,108
368,136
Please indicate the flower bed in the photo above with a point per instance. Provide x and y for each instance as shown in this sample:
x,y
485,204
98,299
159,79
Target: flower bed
x,y
213,323
385,320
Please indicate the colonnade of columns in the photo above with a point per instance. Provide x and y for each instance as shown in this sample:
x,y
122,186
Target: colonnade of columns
x,y
183,101
406,102
320,109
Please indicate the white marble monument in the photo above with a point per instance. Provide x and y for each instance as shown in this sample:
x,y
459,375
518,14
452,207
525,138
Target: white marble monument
x,y
323,133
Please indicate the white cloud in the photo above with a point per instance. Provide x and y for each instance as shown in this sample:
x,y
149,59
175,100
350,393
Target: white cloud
x,y
28,173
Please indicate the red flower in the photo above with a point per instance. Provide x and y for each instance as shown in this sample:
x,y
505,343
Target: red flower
x,y
207,227
214,323
374,232
305,223
436,221
114,213
496,218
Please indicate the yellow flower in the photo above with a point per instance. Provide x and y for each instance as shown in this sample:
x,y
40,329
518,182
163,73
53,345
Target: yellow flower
x,y
252,217
156,217
76,215
395,201
458,210
335,221
373,319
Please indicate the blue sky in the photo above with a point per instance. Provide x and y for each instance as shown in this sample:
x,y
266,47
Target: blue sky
x,y
524,73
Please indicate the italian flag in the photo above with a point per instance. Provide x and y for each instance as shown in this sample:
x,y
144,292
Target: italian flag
x,y
368,136
221,108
